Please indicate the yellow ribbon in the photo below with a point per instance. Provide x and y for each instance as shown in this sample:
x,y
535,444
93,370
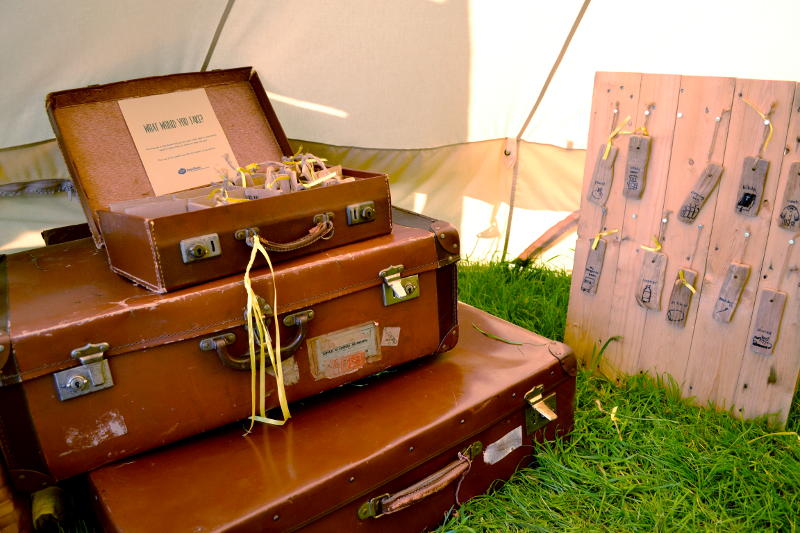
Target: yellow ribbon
x,y
225,197
643,131
686,283
656,248
602,234
255,314
617,131
767,121
247,171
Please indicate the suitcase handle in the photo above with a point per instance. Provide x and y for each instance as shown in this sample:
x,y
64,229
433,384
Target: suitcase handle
x,y
322,229
391,503
220,343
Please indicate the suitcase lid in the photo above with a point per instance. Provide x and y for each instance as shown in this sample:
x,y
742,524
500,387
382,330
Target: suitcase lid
x,y
102,157
63,297
339,448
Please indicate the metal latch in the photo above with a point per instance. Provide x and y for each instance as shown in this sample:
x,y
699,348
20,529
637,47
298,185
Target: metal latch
x,y
200,247
542,409
397,289
360,213
93,374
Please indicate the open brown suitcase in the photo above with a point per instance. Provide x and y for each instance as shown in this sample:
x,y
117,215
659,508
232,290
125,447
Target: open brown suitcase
x,y
95,369
169,251
392,455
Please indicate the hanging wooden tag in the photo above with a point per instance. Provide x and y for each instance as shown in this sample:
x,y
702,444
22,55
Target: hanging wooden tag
x,y
768,321
731,290
789,217
751,186
594,266
697,196
636,167
602,176
651,280
681,298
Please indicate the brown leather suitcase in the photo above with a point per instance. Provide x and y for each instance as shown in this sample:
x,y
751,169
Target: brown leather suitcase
x,y
95,369
160,251
392,455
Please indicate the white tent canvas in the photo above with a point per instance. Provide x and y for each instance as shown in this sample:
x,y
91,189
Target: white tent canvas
x,y
431,91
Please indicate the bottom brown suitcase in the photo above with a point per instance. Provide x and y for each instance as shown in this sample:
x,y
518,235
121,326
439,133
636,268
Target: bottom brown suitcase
x,y
393,454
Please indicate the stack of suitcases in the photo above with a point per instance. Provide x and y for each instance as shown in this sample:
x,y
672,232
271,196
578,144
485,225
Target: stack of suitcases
x,y
104,370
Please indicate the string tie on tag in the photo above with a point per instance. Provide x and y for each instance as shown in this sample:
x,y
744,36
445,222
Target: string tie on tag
x,y
602,234
656,248
614,133
685,283
767,122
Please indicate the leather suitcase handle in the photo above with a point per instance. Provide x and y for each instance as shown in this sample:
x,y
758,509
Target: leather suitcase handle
x,y
221,342
391,503
322,230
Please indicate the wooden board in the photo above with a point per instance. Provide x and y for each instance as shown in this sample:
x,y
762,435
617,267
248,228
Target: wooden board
x,y
711,360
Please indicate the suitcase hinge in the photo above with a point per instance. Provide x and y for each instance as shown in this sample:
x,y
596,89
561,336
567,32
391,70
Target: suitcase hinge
x,y
92,375
541,409
397,289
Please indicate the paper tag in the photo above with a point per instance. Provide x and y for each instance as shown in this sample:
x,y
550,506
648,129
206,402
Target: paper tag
x,y
502,447
789,215
594,267
768,321
697,196
390,336
636,166
651,280
681,298
731,290
602,176
344,351
179,139
291,372
751,186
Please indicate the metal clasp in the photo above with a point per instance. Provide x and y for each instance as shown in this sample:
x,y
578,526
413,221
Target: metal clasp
x,y
92,375
397,289
542,409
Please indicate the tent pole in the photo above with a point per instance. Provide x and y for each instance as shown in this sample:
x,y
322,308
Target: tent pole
x,y
217,33
515,171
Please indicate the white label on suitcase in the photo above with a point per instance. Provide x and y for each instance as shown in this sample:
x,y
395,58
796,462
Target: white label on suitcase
x,y
390,336
344,351
499,449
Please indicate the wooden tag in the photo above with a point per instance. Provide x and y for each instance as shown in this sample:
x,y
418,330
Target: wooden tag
x,y
651,280
768,321
751,186
602,176
636,167
789,217
731,290
594,266
697,196
681,298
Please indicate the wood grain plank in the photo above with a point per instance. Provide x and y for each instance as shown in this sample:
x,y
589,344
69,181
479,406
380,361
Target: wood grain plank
x,y
716,352
766,384
701,100
642,220
587,316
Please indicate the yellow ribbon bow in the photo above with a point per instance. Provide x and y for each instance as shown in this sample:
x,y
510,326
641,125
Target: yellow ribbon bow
x,y
617,131
656,248
686,283
602,234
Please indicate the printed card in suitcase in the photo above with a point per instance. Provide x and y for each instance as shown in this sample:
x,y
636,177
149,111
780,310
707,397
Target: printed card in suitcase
x,y
171,136
392,455
95,369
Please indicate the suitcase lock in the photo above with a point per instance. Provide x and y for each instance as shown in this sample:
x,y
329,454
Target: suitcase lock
x,y
542,409
91,376
397,289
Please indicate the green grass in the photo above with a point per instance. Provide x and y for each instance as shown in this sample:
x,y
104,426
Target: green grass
x,y
658,464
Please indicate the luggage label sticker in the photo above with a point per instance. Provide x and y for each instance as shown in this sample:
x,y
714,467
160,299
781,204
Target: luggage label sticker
x,y
502,447
344,351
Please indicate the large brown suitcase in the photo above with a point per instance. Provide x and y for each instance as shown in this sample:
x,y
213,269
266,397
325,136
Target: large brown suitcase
x,y
157,251
392,455
95,369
